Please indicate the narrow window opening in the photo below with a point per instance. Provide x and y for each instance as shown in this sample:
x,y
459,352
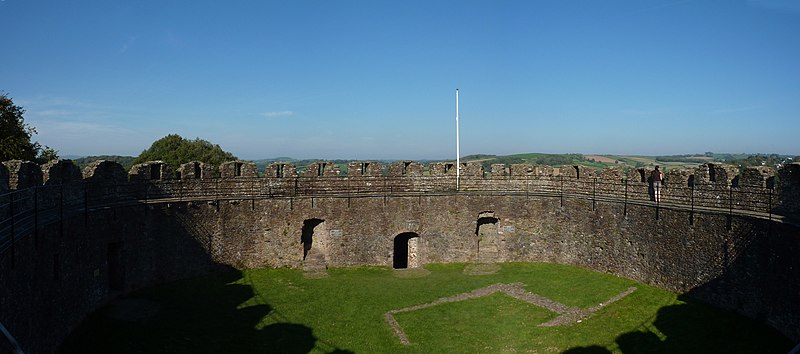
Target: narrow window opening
x,y
364,166
735,182
321,169
690,183
712,174
577,172
279,170
771,182
237,169
197,171
405,166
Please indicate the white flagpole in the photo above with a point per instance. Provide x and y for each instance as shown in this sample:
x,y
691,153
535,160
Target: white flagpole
x,y
458,149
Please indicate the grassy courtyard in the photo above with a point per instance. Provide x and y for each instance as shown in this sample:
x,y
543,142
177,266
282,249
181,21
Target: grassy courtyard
x,y
281,311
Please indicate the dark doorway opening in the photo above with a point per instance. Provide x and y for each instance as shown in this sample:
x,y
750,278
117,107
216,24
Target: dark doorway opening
x,y
307,236
116,272
401,250
484,221
197,172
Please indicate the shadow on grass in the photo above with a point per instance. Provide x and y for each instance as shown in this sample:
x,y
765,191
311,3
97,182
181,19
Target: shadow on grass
x,y
204,315
694,327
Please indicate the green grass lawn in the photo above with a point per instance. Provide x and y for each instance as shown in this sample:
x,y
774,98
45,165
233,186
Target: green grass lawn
x,y
278,310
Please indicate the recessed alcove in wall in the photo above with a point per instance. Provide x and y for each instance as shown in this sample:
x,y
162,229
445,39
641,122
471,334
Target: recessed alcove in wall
x,y
488,238
307,236
406,250
116,271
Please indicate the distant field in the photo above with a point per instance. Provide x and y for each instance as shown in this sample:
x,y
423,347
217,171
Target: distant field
x,y
281,311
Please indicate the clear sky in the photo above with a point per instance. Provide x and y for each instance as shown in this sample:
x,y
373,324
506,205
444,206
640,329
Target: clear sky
x,y
376,79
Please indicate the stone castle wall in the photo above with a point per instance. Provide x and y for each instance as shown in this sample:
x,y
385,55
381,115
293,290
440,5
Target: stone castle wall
x,y
106,232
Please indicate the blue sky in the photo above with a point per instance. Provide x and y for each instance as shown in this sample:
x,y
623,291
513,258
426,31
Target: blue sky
x,y
376,79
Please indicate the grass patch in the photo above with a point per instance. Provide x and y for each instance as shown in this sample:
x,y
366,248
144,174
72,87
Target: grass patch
x,y
278,310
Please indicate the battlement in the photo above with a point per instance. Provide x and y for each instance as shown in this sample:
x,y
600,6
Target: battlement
x,y
110,230
718,185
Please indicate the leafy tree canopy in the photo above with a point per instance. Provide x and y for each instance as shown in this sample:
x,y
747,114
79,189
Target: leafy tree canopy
x,y
175,150
15,135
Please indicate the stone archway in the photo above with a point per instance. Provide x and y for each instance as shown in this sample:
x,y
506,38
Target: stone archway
x,y
406,251
312,239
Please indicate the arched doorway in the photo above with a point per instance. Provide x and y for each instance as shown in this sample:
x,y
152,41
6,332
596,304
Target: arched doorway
x,y
405,251
307,235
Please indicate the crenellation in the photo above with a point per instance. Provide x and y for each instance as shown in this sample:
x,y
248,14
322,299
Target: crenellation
x,y
322,169
365,168
757,177
60,172
678,177
23,174
442,168
280,170
405,168
195,170
789,185
150,171
472,169
716,173
499,170
105,172
612,173
257,222
234,169
520,169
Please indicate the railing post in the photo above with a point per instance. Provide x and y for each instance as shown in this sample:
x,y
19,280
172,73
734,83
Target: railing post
x,y
85,205
12,212
61,210
691,212
625,204
36,217
730,207
769,205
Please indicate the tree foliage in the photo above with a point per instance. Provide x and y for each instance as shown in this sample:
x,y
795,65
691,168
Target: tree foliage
x,y
15,135
175,150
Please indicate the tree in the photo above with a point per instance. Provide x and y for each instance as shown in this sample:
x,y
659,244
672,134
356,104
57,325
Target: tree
x,y
175,150
15,135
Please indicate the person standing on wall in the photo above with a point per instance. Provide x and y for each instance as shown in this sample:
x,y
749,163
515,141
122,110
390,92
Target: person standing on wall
x,y
658,178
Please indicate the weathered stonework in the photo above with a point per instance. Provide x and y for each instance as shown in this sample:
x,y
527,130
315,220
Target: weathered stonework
x,y
405,168
280,170
23,174
195,170
366,168
117,236
60,172
151,170
322,169
232,169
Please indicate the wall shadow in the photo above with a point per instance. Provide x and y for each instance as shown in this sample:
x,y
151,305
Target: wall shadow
x,y
201,315
694,327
